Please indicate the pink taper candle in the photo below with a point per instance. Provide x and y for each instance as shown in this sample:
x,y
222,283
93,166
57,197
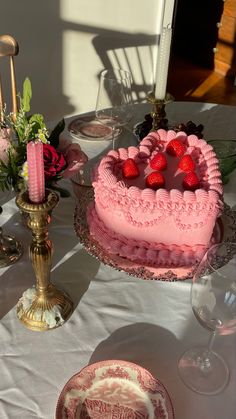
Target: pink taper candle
x,y
36,180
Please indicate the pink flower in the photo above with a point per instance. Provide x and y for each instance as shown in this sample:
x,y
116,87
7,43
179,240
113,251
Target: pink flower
x,y
5,144
74,156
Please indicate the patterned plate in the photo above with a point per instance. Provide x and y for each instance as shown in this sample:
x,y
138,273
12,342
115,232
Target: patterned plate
x,y
225,230
111,390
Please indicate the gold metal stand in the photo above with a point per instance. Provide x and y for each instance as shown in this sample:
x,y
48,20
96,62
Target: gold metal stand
x,y
10,249
158,113
43,307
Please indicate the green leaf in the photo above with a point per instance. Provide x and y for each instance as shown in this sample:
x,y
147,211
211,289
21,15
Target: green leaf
x,y
37,117
36,122
54,136
227,166
27,95
62,192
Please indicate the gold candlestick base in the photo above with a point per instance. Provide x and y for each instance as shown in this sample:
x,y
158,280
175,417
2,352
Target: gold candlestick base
x,y
10,249
42,307
158,113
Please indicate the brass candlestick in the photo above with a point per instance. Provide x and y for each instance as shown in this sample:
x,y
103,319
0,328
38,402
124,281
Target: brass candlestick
x,y
43,307
158,113
10,249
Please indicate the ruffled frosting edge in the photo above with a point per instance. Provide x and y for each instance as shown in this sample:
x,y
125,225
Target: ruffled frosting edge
x,y
105,170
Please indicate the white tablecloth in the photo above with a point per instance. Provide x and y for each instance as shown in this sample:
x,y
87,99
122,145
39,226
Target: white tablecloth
x,y
116,316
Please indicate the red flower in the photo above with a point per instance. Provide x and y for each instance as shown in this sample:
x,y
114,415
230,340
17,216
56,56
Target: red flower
x,y
54,161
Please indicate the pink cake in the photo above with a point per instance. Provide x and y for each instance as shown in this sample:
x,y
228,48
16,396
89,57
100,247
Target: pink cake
x,y
170,226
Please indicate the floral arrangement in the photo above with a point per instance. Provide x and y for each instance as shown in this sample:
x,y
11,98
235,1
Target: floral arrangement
x,y
62,158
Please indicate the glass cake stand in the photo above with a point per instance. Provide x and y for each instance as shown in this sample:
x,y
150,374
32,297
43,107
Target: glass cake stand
x,y
225,230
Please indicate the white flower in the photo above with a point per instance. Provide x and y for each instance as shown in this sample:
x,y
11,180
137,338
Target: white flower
x,y
27,298
43,135
53,317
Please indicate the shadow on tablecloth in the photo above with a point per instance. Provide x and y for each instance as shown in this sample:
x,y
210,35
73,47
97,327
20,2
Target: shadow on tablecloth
x,y
151,346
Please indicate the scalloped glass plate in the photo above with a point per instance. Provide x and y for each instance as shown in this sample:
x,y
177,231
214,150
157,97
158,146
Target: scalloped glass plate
x,y
225,230
114,389
89,129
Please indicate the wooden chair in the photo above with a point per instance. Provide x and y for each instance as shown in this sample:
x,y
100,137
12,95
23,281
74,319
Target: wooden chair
x,y
9,48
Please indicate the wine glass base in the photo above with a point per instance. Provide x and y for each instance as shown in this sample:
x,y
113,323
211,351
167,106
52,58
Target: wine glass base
x,y
209,378
10,250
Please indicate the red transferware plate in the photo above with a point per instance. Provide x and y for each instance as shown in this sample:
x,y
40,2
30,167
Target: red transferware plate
x,y
112,390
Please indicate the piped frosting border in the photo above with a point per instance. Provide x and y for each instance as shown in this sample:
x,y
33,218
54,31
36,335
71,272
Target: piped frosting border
x,y
212,183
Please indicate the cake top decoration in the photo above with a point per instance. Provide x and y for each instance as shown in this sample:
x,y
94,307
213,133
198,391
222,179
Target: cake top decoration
x,y
186,164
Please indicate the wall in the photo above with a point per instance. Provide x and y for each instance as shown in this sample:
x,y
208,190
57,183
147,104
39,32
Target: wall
x,y
64,45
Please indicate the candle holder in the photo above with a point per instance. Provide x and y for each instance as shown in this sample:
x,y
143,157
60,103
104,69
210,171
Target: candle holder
x,y
158,113
42,307
10,249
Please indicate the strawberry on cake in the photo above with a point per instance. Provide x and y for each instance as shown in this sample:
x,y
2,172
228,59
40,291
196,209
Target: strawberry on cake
x,y
157,204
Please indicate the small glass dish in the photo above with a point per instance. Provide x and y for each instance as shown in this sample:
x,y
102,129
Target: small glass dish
x,y
226,153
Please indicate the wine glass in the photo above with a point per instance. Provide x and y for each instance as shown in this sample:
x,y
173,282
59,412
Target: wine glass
x,y
114,107
213,300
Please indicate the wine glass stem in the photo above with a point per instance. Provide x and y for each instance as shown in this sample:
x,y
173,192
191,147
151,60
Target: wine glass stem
x,y
113,137
211,341
204,361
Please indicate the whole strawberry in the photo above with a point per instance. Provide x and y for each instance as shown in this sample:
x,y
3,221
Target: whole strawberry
x,y
159,162
186,164
191,181
130,169
176,148
155,180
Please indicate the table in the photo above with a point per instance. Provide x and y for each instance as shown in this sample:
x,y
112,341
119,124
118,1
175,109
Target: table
x,y
116,316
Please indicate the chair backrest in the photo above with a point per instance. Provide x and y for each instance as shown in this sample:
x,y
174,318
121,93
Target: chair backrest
x,y
134,53
9,48
138,53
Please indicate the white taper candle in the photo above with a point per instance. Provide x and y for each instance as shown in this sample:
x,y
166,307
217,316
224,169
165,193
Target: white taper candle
x,y
163,63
